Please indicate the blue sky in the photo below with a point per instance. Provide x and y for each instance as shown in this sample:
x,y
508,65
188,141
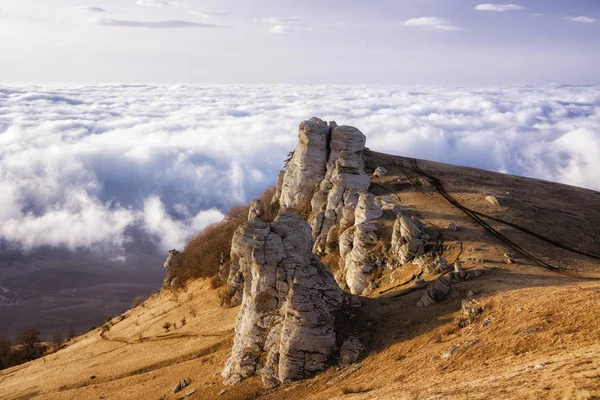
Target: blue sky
x,y
290,41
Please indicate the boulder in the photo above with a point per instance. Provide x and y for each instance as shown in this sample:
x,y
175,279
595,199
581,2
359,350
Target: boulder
x,y
379,171
437,292
285,329
492,200
407,239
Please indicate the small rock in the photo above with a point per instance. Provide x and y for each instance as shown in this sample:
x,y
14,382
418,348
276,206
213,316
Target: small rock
x,y
448,353
222,392
492,200
452,226
351,350
191,393
471,293
419,283
540,365
380,171
93,377
181,384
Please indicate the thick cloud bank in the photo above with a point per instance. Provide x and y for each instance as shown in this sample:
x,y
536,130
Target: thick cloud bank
x,y
84,166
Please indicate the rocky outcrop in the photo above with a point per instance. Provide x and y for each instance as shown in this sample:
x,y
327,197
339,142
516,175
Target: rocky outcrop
x,y
438,266
337,196
441,289
256,211
366,209
172,260
307,167
285,329
408,238
357,257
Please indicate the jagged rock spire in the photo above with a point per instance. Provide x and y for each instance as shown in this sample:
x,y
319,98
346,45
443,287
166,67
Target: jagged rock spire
x,y
285,329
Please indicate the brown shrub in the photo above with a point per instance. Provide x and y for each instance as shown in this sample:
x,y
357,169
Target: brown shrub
x,y
204,253
215,282
271,208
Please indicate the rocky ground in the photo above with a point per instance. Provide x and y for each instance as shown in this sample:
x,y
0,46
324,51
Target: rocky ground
x,y
489,288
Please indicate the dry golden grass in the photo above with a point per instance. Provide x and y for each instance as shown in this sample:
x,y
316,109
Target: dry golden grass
x,y
537,337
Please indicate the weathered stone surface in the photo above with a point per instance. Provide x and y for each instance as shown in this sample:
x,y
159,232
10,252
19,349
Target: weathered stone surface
x,y
357,256
380,171
285,329
337,196
407,239
461,276
442,286
351,350
256,211
366,209
170,258
437,292
307,166
438,266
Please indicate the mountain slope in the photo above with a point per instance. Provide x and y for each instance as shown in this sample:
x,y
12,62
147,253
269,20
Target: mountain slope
x,y
536,337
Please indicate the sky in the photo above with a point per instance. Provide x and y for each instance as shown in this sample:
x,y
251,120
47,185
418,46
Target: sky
x,y
461,42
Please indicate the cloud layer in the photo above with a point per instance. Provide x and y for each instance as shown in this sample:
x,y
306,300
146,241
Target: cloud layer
x,y
499,7
431,23
86,165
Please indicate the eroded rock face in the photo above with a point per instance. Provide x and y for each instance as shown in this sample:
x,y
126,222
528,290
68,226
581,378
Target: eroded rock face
x,y
256,211
307,166
379,171
366,209
337,196
407,239
285,329
358,258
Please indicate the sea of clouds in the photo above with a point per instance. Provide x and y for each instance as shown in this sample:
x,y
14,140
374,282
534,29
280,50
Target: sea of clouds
x,y
84,166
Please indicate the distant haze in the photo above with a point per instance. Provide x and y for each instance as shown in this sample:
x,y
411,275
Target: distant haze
x,y
86,166
309,41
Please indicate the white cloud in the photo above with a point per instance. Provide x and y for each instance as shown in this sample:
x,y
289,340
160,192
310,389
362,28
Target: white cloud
x,y
86,165
283,24
150,24
431,23
499,7
582,19
210,14
90,9
159,3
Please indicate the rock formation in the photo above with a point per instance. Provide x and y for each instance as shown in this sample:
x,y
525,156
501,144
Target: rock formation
x,y
307,165
256,211
172,260
366,209
379,171
407,239
358,258
285,329
337,196
441,289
